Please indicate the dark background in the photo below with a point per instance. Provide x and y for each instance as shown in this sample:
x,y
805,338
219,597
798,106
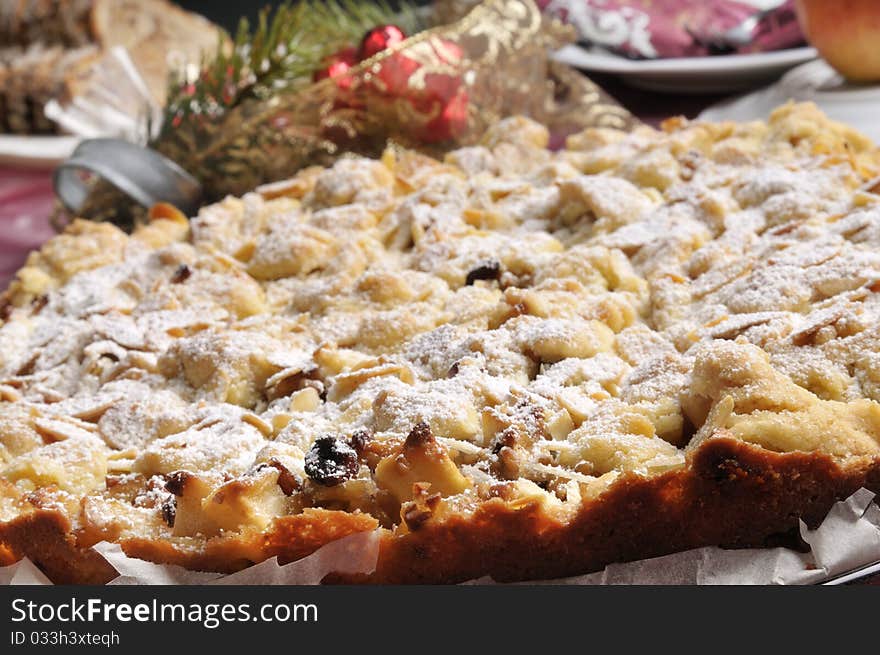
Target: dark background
x,y
227,12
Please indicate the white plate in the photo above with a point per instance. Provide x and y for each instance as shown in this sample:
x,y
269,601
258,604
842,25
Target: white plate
x,y
858,106
721,73
35,151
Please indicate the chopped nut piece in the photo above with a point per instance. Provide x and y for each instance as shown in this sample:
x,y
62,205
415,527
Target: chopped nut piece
x,y
418,511
359,440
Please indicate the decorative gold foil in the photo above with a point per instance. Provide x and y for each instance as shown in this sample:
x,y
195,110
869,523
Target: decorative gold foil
x,y
504,69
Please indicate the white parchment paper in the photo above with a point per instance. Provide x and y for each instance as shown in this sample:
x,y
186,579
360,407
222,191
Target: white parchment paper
x,y
356,553
847,539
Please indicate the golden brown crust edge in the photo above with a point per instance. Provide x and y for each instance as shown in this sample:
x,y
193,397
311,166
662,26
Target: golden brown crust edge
x,y
731,493
44,537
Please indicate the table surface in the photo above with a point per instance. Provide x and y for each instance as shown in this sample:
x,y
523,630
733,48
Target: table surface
x,y
26,202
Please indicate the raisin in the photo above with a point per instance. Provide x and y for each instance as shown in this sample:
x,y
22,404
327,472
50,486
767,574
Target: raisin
x,y
488,270
169,511
331,461
181,274
176,481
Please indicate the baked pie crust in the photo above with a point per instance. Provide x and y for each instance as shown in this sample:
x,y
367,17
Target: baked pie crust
x,y
512,362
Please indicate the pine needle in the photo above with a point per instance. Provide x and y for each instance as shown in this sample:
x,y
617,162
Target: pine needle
x,y
280,54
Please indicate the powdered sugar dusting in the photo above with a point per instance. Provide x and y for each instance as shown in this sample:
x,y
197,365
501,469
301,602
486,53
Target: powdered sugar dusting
x,y
541,314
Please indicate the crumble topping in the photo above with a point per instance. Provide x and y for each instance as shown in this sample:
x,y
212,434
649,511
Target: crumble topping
x,y
409,338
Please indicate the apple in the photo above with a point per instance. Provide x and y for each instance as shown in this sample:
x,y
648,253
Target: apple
x,y
846,33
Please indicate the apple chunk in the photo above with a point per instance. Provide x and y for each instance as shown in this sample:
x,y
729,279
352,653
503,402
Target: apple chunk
x,y
420,460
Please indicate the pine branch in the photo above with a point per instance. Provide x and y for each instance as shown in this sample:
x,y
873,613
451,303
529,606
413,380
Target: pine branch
x,y
280,54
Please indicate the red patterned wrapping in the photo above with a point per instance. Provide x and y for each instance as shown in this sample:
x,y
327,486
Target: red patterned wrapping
x,y
644,29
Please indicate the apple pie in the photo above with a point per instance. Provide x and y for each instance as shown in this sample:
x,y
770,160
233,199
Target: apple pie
x,y
512,362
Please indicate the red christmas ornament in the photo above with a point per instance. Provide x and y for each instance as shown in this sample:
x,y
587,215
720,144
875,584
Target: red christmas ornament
x,y
440,98
444,97
448,52
450,123
337,66
394,75
380,38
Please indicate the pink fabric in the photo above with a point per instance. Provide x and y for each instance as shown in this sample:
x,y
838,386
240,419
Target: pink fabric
x,y
26,202
646,29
